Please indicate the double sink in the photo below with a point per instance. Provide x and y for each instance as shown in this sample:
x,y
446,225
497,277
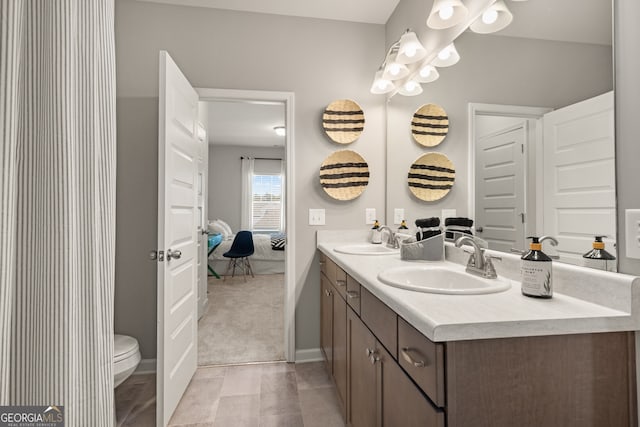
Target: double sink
x,y
438,277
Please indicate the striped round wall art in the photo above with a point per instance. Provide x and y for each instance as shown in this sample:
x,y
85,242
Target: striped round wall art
x,y
344,175
431,177
343,121
430,125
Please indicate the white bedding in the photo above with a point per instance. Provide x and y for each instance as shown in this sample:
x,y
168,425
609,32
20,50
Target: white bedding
x,y
262,249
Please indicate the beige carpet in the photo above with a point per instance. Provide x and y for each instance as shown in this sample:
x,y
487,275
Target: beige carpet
x,y
244,321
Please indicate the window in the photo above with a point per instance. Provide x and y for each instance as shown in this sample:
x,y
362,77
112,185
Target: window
x,y
267,203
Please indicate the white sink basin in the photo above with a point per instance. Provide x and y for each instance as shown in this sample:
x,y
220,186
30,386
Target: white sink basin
x,y
441,279
366,249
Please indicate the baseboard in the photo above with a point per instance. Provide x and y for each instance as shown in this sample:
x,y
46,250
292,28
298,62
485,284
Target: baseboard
x,y
309,355
146,366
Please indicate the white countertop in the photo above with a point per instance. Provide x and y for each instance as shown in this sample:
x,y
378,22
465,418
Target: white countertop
x,y
584,300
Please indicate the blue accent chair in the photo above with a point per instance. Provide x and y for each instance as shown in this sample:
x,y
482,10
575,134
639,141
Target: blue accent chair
x,y
239,253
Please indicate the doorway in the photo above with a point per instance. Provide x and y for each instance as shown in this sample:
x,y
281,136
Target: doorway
x,y
504,157
230,329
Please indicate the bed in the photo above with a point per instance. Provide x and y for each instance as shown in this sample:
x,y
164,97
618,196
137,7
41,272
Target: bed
x,y
265,260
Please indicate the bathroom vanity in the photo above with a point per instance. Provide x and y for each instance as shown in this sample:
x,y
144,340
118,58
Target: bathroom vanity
x,y
406,358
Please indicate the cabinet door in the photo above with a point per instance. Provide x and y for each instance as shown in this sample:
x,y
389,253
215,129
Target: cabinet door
x,y
362,406
326,321
403,404
340,347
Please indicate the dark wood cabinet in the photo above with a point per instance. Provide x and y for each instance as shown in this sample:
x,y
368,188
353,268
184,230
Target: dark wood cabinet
x,y
333,333
388,374
340,348
362,403
326,321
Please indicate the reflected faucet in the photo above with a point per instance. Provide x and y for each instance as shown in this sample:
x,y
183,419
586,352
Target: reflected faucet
x,y
554,242
478,263
392,242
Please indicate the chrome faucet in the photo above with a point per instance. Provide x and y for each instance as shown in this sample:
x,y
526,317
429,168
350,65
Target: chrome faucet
x,y
553,241
392,242
478,263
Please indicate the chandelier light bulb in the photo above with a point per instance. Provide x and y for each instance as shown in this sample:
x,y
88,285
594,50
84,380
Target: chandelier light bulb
x,y
446,12
490,16
394,69
444,54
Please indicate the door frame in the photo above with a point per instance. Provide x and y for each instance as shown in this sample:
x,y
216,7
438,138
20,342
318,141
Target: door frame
x,y
518,111
211,94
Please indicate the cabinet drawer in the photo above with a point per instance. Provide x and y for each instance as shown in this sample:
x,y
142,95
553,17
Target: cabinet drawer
x,y
353,294
382,321
340,282
323,263
403,404
423,360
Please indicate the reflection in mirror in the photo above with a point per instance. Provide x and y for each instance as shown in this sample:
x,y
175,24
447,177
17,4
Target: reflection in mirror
x,y
546,171
544,67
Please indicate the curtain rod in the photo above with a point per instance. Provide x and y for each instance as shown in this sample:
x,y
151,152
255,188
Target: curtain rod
x,y
259,158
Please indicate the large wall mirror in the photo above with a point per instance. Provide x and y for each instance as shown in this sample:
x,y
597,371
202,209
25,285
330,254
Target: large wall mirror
x,y
531,128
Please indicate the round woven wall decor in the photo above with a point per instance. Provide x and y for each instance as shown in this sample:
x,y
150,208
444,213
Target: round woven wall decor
x,y
344,175
343,121
430,125
431,177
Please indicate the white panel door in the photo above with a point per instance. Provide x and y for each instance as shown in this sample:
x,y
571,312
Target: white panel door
x,y
203,159
500,188
178,219
579,176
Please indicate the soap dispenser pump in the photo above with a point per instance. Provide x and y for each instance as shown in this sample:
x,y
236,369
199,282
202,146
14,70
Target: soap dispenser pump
x,y
598,257
536,271
376,234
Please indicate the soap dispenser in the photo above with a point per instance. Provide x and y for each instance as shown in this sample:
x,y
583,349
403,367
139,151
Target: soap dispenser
x,y
376,234
536,271
598,257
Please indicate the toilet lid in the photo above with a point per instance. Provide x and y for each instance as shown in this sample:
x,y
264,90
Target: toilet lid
x,y
123,347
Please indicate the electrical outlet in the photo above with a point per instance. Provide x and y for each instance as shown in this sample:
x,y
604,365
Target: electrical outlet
x,y
316,217
398,215
370,215
632,226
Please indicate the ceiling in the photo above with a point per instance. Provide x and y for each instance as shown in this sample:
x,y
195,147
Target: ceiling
x,y
368,11
242,123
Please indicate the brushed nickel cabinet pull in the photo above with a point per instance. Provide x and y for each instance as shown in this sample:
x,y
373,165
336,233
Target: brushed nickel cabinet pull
x,y
353,294
406,356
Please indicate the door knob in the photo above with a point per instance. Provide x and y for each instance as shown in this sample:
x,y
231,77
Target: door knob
x,y
173,254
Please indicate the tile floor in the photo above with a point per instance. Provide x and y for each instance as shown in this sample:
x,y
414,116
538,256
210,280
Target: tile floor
x,y
270,394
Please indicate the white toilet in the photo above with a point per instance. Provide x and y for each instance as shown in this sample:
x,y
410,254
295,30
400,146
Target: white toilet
x,y
126,356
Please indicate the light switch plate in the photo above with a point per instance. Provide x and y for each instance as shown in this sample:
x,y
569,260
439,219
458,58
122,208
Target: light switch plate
x,y
632,232
370,215
316,217
398,215
447,213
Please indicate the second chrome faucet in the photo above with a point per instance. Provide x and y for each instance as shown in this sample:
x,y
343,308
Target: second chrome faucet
x,y
478,263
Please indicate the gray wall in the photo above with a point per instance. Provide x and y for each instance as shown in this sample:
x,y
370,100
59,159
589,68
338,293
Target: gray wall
x,y
318,60
225,179
626,36
495,70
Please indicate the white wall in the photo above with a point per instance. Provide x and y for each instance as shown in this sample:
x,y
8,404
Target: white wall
x,y
225,179
318,60
493,70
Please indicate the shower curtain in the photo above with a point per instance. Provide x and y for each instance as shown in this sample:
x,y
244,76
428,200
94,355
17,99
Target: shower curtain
x,y
57,206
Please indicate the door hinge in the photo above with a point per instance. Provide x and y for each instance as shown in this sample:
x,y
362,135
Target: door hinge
x,y
522,216
156,256
522,148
